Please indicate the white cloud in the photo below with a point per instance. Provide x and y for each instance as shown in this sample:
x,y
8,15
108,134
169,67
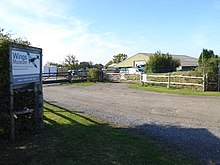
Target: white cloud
x,y
57,33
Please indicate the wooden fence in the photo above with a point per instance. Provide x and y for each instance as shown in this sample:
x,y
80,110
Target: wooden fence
x,y
122,77
54,77
170,80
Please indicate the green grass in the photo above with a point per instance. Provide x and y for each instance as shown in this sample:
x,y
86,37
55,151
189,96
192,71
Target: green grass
x,y
74,138
83,83
172,90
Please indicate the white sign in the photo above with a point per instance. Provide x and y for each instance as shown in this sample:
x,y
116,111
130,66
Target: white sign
x,y
25,66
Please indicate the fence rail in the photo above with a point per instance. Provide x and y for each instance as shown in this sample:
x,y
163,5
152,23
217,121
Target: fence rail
x,y
144,78
55,76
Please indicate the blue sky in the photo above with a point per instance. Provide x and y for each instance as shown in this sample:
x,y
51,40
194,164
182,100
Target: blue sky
x,y
95,30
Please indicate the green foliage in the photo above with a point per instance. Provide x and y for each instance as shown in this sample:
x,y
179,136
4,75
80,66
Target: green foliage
x,y
117,59
6,39
162,63
208,64
205,56
109,63
212,73
85,65
94,74
71,62
98,66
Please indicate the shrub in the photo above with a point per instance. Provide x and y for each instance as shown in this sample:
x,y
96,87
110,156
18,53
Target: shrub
x,y
208,64
162,63
94,75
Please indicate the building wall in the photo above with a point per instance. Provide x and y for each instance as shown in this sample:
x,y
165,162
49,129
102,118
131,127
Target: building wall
x,y
130,62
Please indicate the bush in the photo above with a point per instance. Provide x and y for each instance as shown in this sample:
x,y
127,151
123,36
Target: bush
x,y
162,63
208,64
94,75
212,73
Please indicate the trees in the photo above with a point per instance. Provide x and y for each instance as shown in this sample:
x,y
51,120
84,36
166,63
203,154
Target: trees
x,y
117,59
161,63
71,62
208,61
85,64
7,123
208,64
205,55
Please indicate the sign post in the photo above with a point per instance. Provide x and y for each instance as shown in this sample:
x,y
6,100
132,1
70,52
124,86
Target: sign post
x,y
26,74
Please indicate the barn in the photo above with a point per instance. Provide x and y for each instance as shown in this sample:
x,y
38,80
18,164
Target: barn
x,y
141,59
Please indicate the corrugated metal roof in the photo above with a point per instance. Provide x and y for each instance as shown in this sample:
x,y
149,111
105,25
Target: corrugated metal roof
x,y
186,60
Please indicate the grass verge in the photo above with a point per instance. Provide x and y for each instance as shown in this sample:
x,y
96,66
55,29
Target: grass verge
x,y
74,138
83,84
172,90
80,83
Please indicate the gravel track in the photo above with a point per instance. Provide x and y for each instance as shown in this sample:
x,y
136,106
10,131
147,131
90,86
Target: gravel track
x,y
191,123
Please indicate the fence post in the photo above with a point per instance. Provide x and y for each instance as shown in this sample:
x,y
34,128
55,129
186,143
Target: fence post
x,y
218,82
203,83
141,79
168,85
70,76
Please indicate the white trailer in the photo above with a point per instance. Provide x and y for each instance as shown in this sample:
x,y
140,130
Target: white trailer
x,y
50,70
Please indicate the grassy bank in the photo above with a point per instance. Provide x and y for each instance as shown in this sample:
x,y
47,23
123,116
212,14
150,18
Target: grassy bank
x,y
172,90
74,138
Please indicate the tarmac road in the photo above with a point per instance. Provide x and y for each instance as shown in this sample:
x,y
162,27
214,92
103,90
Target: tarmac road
x,y
192,123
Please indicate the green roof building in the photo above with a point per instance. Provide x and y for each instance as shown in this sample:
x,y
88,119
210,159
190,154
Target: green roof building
x,y
140,59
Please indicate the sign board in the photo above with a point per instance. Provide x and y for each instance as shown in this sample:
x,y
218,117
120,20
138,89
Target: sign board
x,y
26,64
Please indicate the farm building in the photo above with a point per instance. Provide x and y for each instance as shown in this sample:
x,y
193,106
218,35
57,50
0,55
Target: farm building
x,y
140,59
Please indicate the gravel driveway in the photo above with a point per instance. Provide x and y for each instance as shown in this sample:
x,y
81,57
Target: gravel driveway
x,y
191,123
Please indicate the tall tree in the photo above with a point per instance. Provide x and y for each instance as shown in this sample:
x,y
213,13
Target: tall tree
x,y
205,55
117,59
71,62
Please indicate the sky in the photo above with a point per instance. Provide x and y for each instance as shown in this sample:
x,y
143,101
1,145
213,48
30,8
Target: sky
x,y
96,30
